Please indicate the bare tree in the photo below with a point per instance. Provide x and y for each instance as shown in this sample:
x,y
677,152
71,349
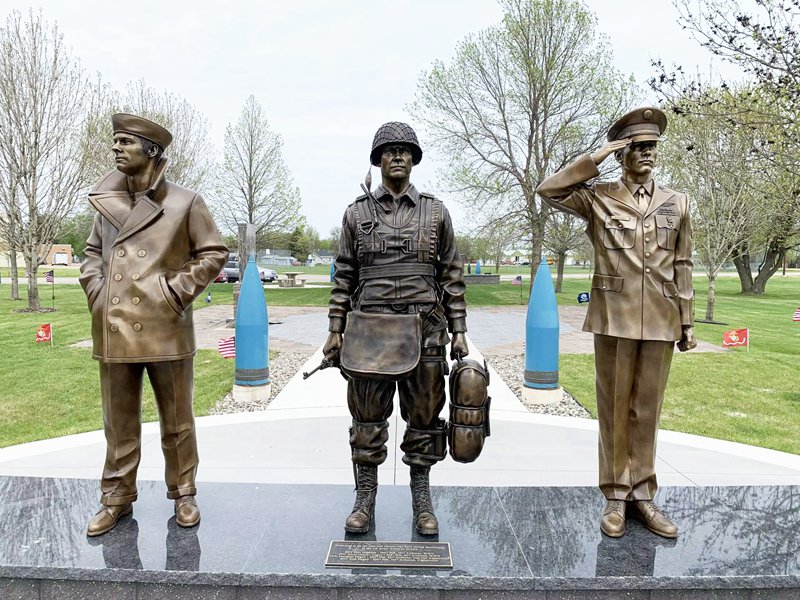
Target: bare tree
x,y
519,101
255,185
563,233
333,239
42,115
721,170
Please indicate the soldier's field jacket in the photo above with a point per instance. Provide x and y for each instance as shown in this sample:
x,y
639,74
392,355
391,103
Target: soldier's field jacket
x,y
144,267
397,239
642,286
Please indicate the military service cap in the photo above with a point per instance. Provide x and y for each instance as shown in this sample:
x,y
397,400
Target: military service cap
x,y
123,122
395,132
641,125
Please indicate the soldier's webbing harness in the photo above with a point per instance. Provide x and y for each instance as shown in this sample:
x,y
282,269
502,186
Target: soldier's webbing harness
x,y
429,210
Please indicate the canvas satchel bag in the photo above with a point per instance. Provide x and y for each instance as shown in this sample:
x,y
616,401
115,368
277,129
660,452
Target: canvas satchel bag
x,y
380,345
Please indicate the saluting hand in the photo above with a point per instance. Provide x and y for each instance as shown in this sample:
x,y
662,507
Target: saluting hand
x,y
598,156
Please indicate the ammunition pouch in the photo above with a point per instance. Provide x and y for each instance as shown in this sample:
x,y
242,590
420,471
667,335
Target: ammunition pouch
x,y
469,410
384,346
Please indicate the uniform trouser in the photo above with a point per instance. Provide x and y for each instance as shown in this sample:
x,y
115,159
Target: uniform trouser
x,y
121,388
631,376
422,398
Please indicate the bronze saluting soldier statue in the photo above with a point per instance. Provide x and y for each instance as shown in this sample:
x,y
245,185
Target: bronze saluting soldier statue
x,y
153,249
641,304
398,288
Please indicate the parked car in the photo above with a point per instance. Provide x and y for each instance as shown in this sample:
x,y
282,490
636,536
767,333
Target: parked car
x,y
222,277
231,270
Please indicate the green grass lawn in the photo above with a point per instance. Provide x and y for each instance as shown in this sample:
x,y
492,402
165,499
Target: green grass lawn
x,y
750,397
53,391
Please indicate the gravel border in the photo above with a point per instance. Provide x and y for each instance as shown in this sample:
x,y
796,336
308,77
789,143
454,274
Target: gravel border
x,y
282,368
510,368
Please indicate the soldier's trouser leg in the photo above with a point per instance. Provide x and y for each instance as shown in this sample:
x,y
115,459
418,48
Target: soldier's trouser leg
x,y
173,384
370,404
631,376
121,390
422,398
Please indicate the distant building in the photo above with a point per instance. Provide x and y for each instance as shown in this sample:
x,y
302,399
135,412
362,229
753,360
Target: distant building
x,y
275,257
320,257
60,255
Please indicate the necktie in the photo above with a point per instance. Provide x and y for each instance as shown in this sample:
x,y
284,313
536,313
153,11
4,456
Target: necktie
x,y
641,197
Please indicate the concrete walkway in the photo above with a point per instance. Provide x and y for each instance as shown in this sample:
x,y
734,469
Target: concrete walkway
x,y
302,438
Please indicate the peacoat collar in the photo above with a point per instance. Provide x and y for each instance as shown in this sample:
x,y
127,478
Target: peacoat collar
x,y
111,198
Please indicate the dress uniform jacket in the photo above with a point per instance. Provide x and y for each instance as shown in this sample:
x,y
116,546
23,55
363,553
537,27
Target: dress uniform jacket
x,y
642,286
145,266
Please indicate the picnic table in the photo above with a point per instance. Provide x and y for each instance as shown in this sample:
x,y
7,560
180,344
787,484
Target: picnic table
x,y
292,280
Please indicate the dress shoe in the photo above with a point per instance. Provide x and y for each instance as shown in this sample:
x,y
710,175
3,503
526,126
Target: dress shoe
x,y
106,518
612,523
187,514
655,519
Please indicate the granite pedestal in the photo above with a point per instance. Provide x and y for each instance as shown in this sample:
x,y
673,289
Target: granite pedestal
x,y
270,541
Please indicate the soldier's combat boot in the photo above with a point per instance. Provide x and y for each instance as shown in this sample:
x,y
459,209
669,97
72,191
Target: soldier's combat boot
x,y
364,507
424,520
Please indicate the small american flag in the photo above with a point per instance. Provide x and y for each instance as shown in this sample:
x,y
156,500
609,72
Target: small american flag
x,y
796,315
227,347
49,277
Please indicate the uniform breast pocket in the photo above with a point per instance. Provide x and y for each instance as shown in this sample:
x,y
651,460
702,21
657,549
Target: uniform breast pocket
x,y
620,231
667,230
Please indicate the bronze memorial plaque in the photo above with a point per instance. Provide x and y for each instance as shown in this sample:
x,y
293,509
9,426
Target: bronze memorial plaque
x,y
434,555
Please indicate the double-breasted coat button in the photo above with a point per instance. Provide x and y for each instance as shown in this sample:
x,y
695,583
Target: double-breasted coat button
x,y
142,253
647,270
120,253
114,328
135,276
118,277
135,299
647,225
647,239
137,326
115,300
647,255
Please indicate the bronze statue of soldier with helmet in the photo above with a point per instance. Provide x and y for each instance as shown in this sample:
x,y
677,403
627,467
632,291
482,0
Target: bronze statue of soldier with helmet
x,y
398,290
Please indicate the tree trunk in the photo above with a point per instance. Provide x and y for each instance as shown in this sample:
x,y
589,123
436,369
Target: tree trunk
x,y
32,265
12,261
562,256
742,262
536,257
768,268
712,296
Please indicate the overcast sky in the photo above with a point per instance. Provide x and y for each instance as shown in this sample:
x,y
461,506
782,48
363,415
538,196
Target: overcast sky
x,y
328,74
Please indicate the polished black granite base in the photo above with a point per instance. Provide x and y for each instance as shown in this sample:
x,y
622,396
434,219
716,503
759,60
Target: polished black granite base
x,y
270,541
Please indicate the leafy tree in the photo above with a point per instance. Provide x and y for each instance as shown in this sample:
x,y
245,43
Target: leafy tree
x,y
519,101
761,37
722,171
75,231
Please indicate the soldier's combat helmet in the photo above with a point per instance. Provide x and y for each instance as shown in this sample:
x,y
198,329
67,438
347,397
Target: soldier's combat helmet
x,y
395,133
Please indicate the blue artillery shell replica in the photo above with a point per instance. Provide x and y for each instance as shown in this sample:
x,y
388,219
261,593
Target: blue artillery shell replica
x,y
252,331
541,333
